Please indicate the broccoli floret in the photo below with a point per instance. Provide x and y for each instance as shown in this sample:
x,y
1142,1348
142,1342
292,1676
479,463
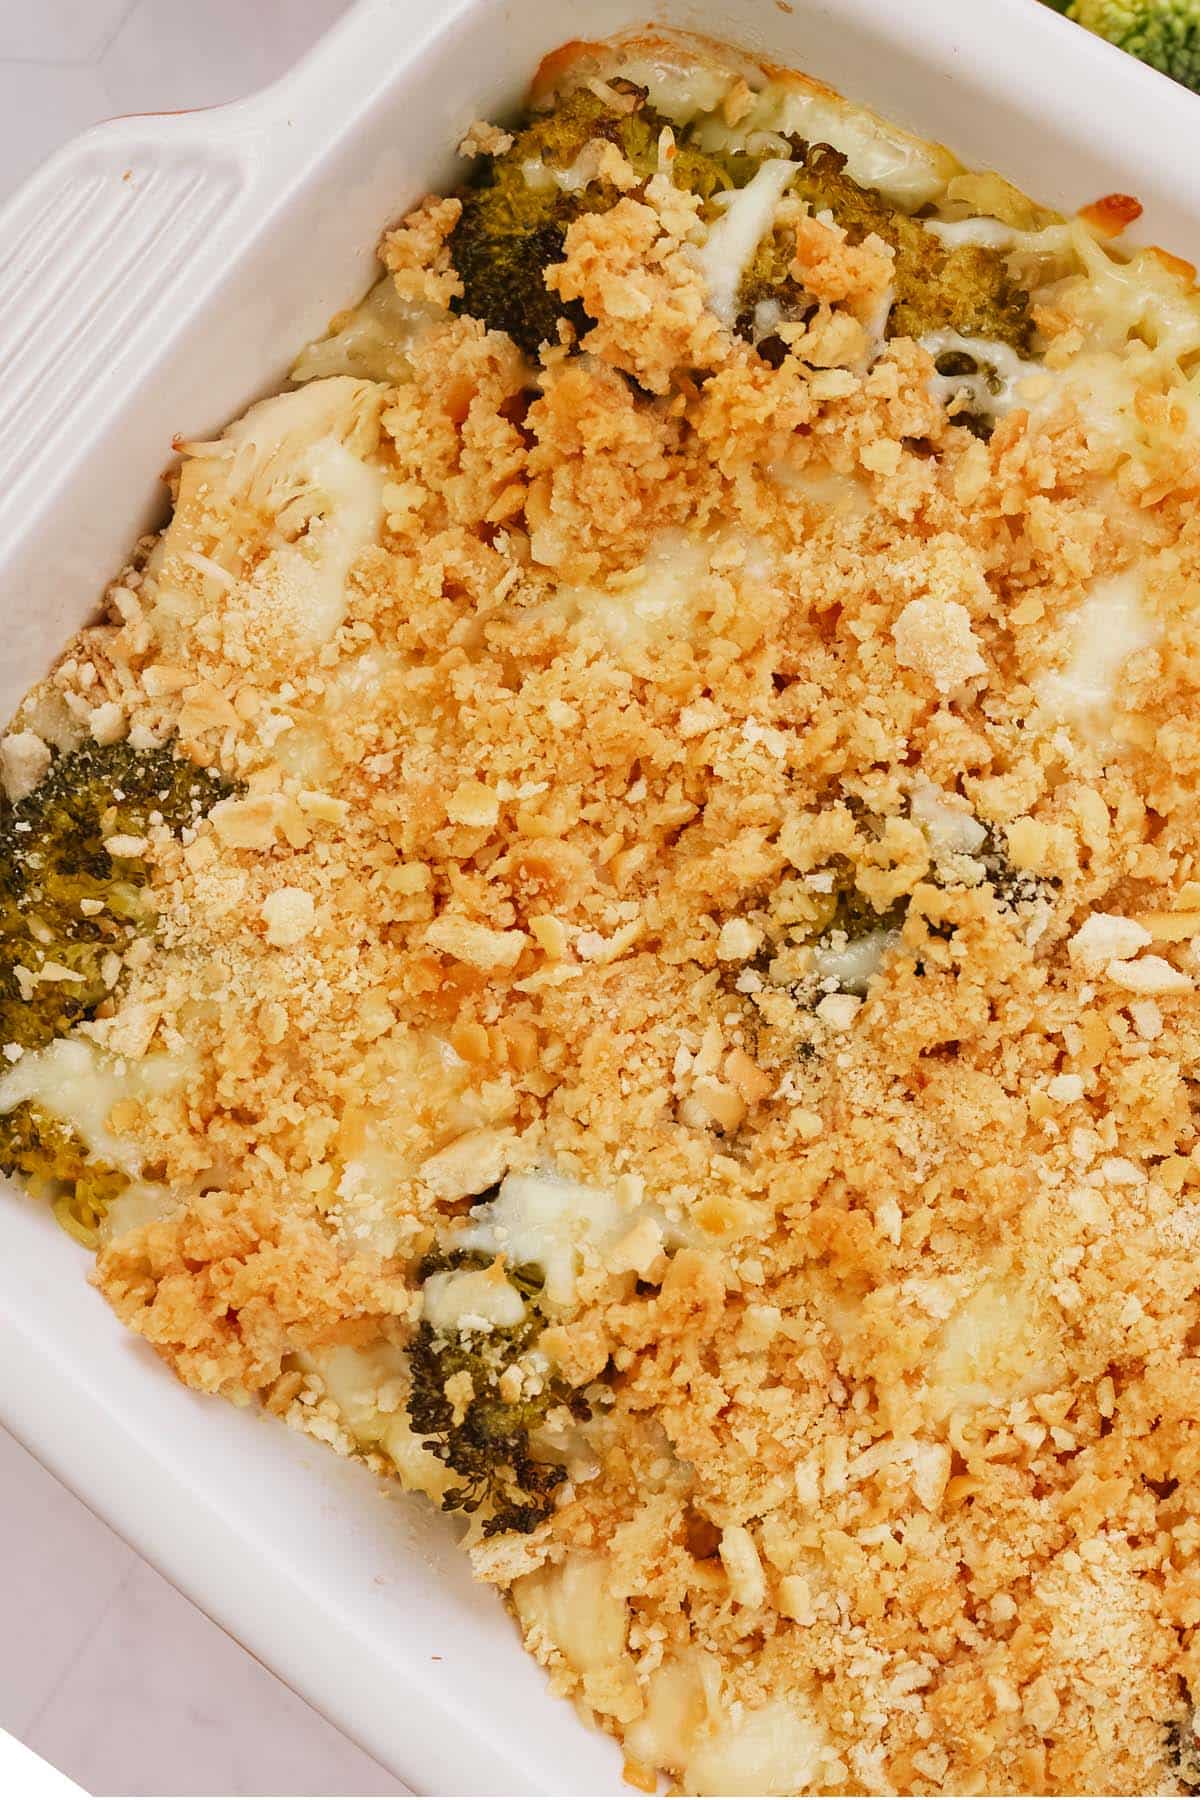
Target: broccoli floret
x,y
486,1438
67,900
1163,33
55,1162
514,220
515,217
964,288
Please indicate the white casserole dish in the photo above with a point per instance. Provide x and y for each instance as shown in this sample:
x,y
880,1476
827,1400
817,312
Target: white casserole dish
x,y
156,276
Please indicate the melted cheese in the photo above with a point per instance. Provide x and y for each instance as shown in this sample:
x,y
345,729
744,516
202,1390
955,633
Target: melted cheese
x,y
990,234
303,747
681,88
292,476
681,580
778,1748
675,1711
950,829
373,341
747,216
470,1300
138,1204
907,170
353,1379
548,1222
554,1225
541,176
77,1083
313,577
366,1386
875,326
999,1346
1111,626
994,398
850,966
574,1605
422,1096
836,494
1135,298
576,1608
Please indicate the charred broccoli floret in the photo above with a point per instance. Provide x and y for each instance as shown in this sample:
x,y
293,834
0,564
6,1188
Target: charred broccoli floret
x,y
964,287
55,1162
69,895
458,1403
515,218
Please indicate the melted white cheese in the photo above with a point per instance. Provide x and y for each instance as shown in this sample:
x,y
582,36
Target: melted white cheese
x,y
366,1386
303,748
999,1346
313,576
554,1225
851,965
992,398
138,1204
950,829
1136,298
680,578
422,1096
875,325
777,1748
541,176
77,1083
679,89
292,476
906,170
675,1712
456,1300
579,1607
373,340
990,234
1109,628
840,495
1034,257
733,239
353,1378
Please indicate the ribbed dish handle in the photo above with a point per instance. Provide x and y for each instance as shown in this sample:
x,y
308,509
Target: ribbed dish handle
x,y
92,251
117,240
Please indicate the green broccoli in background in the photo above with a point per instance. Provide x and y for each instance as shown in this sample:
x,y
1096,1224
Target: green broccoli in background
x,y
1162,33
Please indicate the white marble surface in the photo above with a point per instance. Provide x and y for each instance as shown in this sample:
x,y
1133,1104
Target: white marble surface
x,y
105,1670
66,63
110,1674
